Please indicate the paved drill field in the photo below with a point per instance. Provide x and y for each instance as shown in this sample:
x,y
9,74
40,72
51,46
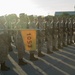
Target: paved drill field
x,y
61,62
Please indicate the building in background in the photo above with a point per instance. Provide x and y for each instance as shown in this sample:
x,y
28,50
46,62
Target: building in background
x,y
66,13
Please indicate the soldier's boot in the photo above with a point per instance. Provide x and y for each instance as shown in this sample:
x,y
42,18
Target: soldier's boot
x,y
71,42
21,62
40,54
54,48
10,48
59,46
74,40
48,51
4,67
64,45
46,40
32,58
67,43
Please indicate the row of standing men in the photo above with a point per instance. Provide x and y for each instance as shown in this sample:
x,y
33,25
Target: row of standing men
x,y
54,32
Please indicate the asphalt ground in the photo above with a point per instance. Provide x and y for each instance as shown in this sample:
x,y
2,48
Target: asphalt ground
x,y
61,62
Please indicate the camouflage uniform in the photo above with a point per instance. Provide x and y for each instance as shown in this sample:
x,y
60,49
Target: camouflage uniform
x,y
31,22
13,31
40,35
18,40
48,35
60,33
10,23
74,30
69,32
3,42
64,33
32,25
55,34
18,37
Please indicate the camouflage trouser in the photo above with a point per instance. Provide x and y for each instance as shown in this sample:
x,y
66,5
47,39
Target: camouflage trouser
x,y
40,43
74,37
64,38
60,39
55,41
19,45
10,39
3,55
68,38
20,48
3,49
71,37
49,42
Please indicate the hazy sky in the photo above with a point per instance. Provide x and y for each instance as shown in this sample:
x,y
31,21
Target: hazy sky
x,y
36,7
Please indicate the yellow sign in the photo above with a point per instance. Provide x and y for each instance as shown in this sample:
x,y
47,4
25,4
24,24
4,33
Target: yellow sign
x,y
29,38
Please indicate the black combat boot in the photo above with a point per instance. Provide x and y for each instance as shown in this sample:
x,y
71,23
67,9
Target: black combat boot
x,y
68,43
71,42
64,45
74,41
54,49
59,46
40,54
21,62
32,58
4,67
49,52
10,48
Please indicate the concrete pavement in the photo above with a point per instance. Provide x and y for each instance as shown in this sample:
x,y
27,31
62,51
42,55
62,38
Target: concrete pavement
x,y
61,62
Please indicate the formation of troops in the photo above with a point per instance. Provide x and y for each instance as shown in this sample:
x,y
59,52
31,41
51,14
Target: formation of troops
x,y
52,31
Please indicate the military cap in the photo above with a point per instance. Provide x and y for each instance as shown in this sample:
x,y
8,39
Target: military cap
x,y
21,15
47,18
